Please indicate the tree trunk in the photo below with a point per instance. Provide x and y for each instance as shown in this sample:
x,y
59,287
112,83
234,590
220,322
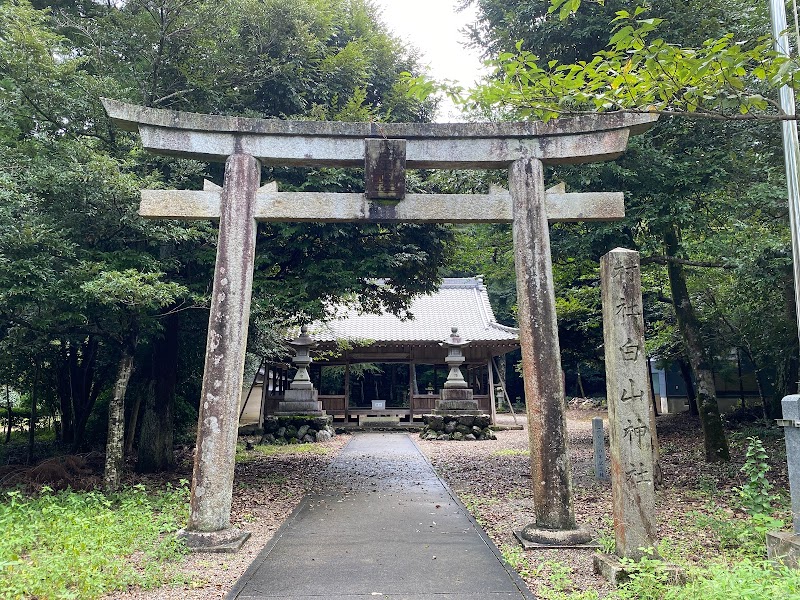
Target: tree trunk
x,y
716,443
786,377
155,451
32,426
77,389
581,391
10,414
743,402
655,402
760,386
116,424
133,421
64,389
757,371
686,374
785,384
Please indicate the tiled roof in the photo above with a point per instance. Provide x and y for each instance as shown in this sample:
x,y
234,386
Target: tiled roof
x,y
460,302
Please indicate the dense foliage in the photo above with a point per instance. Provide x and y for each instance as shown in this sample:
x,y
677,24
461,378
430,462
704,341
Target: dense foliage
x,y
666,56
705,199
79,544
88,288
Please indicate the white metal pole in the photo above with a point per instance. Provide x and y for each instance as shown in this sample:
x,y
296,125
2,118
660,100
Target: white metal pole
x,y
790,144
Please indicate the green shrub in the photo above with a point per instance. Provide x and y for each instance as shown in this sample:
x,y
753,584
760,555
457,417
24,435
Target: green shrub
x,y
647,577
742,537
744,580
756,494
79,544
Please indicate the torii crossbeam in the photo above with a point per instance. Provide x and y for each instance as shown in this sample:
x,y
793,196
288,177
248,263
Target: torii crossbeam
x,y
385,150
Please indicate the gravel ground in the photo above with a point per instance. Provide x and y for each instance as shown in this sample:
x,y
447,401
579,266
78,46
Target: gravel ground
x,y
492,479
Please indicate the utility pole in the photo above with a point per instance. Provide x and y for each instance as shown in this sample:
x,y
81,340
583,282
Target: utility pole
x,y
791,153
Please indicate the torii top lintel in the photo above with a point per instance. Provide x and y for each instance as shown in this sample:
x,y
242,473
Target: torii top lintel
x,y
588,138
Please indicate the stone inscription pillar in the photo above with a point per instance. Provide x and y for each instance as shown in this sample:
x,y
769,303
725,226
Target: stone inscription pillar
x,y
785,545
630,410
541,354
218,424
599,443
791,425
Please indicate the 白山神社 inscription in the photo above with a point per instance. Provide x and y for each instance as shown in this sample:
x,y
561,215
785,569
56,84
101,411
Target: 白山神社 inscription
x,y
630,407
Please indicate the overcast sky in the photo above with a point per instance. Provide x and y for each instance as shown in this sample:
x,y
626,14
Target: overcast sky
x,y
433,27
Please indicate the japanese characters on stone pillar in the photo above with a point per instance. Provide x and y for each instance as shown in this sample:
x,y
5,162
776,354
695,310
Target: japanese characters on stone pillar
x,y
630,408
599,444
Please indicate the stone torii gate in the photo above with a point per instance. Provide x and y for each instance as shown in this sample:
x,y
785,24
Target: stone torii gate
x,y
385,150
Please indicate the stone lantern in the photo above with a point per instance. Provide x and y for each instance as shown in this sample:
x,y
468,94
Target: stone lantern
x,y
454,359
455,397
302,359
301,397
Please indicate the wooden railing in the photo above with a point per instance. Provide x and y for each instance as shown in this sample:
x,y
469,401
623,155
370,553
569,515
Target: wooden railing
x,y
421,404
333,403
484,403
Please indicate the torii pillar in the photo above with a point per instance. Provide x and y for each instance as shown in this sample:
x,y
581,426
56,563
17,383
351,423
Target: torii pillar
x,y
218,420
384,150
551,479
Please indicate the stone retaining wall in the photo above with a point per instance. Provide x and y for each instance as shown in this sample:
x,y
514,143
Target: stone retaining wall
x,y
457,428
297,430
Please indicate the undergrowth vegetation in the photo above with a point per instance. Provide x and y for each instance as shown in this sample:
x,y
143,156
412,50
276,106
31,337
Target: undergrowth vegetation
x,y
730,539
713,519
72,544
244,455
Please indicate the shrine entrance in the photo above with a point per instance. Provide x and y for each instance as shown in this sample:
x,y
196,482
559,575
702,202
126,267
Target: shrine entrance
x,y
384,150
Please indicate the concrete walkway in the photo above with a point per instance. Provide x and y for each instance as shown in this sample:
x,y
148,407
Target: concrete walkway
x,y
388,527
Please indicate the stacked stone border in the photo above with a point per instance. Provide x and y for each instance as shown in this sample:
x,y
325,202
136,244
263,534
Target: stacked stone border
x,y
297,429
459,428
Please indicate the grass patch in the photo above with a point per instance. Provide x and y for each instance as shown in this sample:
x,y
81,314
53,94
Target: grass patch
x,y
745,580
244,456
84,544
516,559
511,452
476,505
272,450
720,580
